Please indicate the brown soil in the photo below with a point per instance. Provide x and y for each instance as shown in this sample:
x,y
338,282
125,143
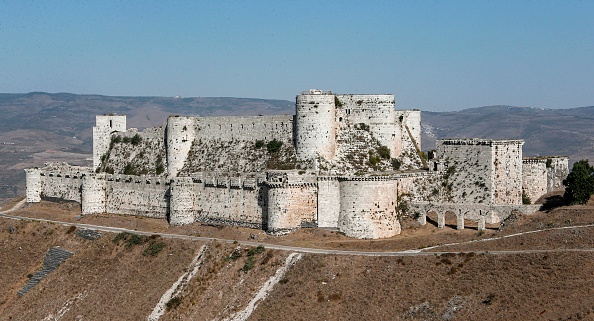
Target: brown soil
x,y
116,282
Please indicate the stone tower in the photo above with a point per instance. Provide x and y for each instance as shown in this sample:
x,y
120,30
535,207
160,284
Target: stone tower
x,y
315,128
104,126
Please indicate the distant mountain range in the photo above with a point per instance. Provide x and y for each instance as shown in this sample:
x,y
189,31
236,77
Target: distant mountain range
x,y
39,127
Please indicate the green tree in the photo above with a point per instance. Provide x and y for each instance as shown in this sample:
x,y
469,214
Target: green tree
x,y
579,184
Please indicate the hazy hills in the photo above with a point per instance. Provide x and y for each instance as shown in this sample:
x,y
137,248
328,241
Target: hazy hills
x,y
40,127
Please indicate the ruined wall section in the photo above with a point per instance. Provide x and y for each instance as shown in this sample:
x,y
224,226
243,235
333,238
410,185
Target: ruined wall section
x,y
507,171
368,208
292,201
534,178
104,126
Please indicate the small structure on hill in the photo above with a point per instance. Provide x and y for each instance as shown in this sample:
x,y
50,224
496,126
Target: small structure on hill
x,y
346,162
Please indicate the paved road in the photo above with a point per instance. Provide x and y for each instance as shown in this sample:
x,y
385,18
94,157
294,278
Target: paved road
x,y
422,252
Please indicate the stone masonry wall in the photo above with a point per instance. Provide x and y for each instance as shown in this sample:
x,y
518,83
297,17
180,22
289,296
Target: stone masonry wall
x,y
62,184
557,171
507,172
34,187
467,177
378,112
137,195
367,208
315,125
534,178
104,126
213,198
328,206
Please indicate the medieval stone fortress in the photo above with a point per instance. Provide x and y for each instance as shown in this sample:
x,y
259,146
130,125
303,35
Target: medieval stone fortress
x,y
346,162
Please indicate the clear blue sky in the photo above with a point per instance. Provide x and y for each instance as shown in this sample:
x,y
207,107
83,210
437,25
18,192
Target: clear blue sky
x,y
433,55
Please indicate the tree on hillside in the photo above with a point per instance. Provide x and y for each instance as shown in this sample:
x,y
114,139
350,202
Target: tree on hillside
x,y
579,184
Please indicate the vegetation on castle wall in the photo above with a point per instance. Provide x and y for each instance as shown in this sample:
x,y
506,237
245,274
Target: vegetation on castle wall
x,y
273,146
134,155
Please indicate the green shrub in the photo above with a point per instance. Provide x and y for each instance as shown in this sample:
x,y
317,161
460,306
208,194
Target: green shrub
x,y
126,140
130,239
384,152
525,198
364,126
259,144
257,250
396,164
337,102
153,248
249,264
579,184
273,146
129,169
136,139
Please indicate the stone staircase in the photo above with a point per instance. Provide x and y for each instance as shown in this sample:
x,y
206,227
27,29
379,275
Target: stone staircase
x,y
53,258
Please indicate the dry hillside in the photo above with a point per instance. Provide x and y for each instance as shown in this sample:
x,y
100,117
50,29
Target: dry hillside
x,y
107,280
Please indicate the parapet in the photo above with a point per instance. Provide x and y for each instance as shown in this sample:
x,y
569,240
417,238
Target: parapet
x,y
479,141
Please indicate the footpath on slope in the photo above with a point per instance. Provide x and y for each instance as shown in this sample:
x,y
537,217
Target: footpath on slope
x,y
450,240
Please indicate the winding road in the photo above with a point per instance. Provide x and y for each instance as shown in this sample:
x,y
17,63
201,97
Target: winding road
x,y
420,252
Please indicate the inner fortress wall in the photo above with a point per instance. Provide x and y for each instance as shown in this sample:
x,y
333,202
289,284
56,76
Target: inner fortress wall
x,y
378,112
482,170
182,131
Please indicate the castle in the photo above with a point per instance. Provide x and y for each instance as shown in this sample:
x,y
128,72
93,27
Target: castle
x,y
347,162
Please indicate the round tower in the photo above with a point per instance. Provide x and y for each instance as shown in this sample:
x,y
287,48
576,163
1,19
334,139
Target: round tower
x,y
180,136
315,129
368,208
33,181
93,196
181,201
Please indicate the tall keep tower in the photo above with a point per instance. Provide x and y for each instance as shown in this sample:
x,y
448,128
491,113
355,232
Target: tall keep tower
x,y
315,129
104,126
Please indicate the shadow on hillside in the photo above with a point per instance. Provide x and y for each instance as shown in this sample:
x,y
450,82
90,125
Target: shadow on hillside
x,y
552,202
